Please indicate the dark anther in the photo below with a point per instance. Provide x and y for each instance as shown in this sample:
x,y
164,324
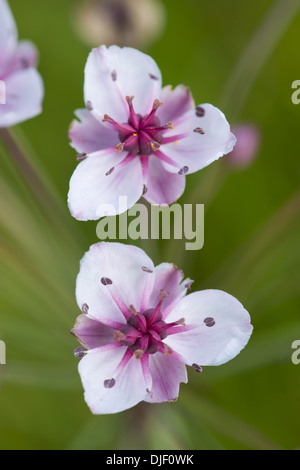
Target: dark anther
x,y
146,270
85,309
209,321
153,76
79,353
89,106
199,130
106,281
81,156
114,75
200,112
109,383
109,172
183,170
145,189
197,368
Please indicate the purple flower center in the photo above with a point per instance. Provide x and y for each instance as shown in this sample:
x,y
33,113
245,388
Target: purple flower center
x,y
145,332
140,135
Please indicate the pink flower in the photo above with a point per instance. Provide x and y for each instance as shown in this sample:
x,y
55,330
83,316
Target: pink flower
x,y
23,85
136,138
138,328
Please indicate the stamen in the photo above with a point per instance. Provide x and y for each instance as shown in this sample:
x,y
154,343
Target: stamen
x,y
80,352
120,147
134,119
85,309
106,281
114,75
89,106
197,368
155,146
200,112
81,156
183,171
153,76
199,130
209,321
109,383
146,270
109,172
145,189
132,310
139,353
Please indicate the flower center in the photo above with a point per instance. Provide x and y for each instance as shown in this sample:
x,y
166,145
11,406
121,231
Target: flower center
x,y
140,135
144,332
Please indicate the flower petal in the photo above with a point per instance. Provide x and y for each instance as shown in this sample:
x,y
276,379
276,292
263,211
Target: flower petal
x,y
167,374
123,265
24,56
24,95
113,73
176,102
163,187
222,328
91,333
123,390
8,33
94,194
207,138
88,135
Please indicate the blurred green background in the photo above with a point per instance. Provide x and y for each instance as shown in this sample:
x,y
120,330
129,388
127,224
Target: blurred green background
x,y
243,58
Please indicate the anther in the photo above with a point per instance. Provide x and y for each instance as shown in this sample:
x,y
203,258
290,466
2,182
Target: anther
x,y
145,189
199,130
109,383
109,172
197,368
114,75
209,321
89,106
132,310
139,353
119,147
167,350
163,294
85,309
80,352
189,284
106,281
153,76
156,104
146,270
129,100
155,146
200,112
118,335
183,171
81,156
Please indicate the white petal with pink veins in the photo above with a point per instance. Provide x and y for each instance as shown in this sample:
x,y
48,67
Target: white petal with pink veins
x,y
124,266
163,187
107,392
8,33
113,73
222,328
204,136
167,374
88,135
94,193
24,95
